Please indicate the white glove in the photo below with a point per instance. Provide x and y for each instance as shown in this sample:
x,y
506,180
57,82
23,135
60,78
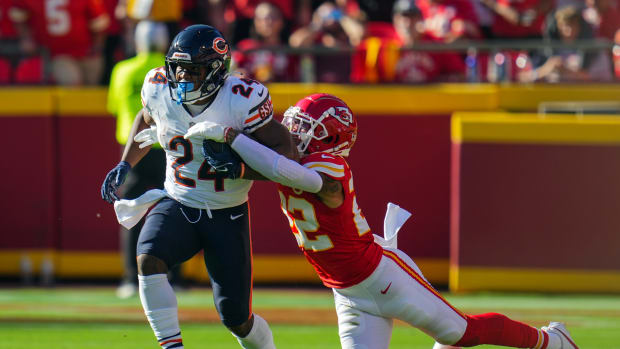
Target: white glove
x,y
208,130
146,137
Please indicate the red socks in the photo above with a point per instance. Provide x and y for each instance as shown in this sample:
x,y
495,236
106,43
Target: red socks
x,y
497,329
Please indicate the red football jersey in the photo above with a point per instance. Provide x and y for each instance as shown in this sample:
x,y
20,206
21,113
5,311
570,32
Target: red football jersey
x,y
439,17
63,26
336,241
503,28
245,8
265,66
7,31
610,22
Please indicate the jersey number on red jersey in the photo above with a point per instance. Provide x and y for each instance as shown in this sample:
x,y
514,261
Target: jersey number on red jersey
x,y
58,18
303,221
304,224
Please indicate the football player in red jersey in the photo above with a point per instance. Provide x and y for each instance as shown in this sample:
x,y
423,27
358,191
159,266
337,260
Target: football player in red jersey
x,y
372,284
72,31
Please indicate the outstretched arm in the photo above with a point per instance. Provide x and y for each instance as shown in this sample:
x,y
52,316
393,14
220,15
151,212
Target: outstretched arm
x,y
272,165
276,137
285,171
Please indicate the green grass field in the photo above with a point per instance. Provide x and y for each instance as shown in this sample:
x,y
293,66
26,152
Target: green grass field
x,y
85,317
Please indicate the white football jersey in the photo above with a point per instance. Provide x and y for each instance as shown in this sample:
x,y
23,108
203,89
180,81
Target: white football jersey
x,y
242,104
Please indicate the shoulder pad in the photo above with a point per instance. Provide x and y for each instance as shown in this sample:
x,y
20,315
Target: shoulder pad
x,y
154,82
254,102
156,76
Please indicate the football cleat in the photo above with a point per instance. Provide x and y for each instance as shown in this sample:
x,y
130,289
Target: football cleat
x,y
560,330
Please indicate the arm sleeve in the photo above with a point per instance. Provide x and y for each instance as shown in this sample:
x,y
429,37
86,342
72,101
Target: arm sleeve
x,y
275,166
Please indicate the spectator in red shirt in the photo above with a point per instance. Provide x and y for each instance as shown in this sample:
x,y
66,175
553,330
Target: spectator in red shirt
x,y
239,14
73,32
268,31
387,59
7,31
449,20
519,19
411,66
421,66
113,47
8,41
604,16
331,28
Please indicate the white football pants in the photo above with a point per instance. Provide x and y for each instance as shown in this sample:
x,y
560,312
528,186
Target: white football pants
x,y
395,290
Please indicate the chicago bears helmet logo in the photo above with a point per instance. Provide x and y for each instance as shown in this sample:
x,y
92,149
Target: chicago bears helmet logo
x,y
220,46
342,114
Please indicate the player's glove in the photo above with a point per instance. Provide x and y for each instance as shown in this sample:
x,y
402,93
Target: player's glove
x,y
208,130
113,180
146,137
223,159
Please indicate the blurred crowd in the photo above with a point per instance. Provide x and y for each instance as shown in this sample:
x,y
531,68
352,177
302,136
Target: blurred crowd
x,y
77,42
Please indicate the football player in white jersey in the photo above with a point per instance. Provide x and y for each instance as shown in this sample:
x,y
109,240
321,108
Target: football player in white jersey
x,y
200,209
373,281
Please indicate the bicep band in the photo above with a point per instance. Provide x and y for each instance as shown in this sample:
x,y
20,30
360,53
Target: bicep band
x,y
275,166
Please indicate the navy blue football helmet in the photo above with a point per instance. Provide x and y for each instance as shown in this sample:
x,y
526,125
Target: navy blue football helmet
x,y
198,46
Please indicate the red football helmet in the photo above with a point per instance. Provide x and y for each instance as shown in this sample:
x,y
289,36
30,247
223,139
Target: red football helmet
x,y
322,123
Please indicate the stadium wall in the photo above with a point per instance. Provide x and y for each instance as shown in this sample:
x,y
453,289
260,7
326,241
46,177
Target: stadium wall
x,y
65,140
535,203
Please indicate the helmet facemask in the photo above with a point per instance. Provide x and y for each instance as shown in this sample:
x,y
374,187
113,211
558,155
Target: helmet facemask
x,y
185,91
305,128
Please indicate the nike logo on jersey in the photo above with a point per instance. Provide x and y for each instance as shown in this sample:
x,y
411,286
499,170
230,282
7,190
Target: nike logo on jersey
x,y
260,94
386,289
232,218
326,156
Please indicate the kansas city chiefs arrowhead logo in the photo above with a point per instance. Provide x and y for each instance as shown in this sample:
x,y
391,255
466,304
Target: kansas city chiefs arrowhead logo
x,y
342,114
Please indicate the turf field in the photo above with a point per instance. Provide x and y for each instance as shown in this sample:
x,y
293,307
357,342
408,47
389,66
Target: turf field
x,y
92,318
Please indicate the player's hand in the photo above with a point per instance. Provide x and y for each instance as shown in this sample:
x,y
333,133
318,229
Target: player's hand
x,y
208,130
223,159
146,137
113,180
